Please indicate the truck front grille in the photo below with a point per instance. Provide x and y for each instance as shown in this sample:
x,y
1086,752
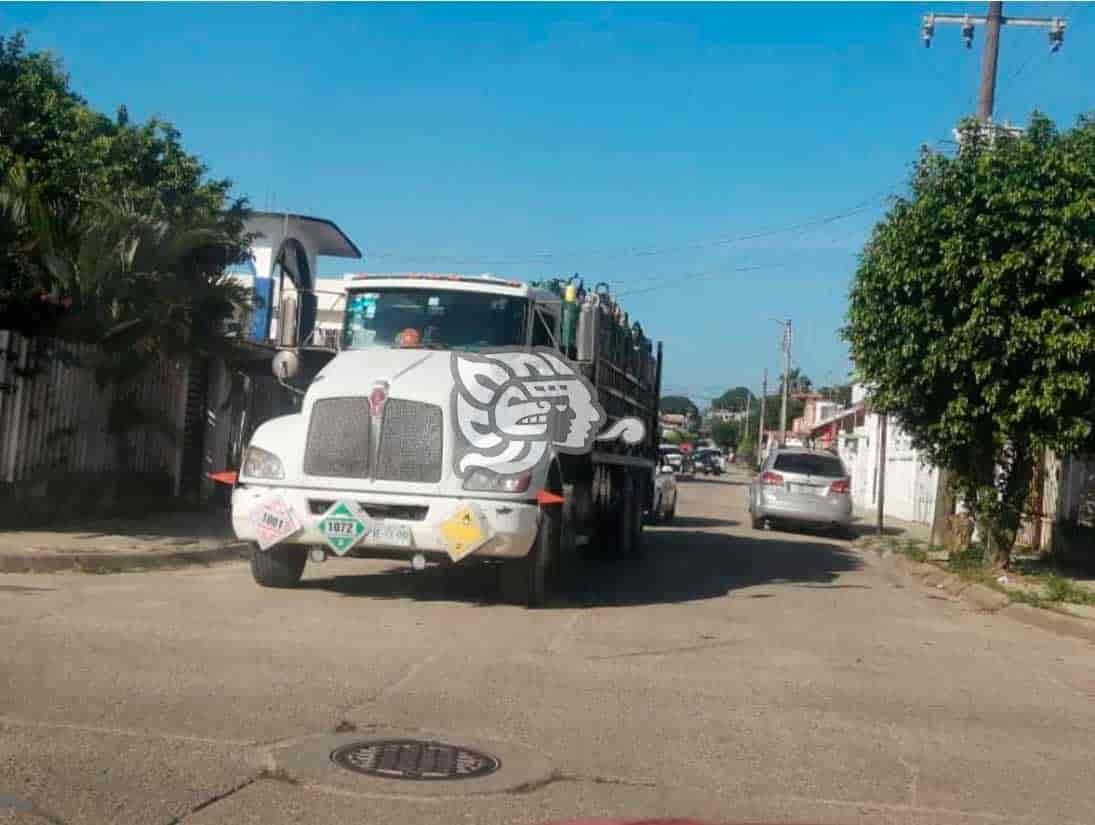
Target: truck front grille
x,y
410,442
338,438
402,512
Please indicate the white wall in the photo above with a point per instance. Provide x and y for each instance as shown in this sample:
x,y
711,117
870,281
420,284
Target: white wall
x,y
910,483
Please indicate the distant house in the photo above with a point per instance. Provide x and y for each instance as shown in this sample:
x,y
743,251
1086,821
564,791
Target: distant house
x,y
815,410
853,433
678,423
723,416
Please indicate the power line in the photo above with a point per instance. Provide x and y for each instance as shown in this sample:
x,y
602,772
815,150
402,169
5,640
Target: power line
x,y
608,254
1040,56
674,280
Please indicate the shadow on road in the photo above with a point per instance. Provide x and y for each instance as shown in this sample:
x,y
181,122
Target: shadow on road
x,y
680,565
700,521
859,529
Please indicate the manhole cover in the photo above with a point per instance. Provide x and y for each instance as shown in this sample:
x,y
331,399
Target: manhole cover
x,y
414,759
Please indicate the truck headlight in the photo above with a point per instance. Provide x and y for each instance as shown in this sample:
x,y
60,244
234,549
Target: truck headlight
x,y
485,481
260,463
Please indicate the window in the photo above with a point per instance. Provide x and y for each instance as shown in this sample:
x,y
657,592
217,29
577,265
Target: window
x,y
543,329
442,318
810,464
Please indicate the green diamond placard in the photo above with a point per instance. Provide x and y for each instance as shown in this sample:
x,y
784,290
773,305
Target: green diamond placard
x,y
341,527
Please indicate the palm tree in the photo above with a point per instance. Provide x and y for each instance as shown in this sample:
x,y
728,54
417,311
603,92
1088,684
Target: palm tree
x,y
139,286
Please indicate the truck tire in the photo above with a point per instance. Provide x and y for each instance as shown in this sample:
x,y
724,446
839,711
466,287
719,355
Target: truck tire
x,y
280,566
655,515
629,527
529,581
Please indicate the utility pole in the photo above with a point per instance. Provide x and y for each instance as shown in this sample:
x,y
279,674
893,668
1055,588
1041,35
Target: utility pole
x,y
786,378
986,97
993,22
743,432
763,410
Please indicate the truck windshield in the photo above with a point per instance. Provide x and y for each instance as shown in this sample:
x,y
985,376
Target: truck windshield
x,y
432,318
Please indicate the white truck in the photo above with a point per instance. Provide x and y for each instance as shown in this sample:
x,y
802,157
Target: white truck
x,y
461,419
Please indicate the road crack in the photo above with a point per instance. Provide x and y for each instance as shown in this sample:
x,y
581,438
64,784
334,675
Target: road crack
x,y
213,800
665,651
559,776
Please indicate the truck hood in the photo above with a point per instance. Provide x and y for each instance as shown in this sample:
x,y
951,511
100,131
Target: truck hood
x,y
410,373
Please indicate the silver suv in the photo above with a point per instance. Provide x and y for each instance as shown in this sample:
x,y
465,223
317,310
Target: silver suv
x,y
801,485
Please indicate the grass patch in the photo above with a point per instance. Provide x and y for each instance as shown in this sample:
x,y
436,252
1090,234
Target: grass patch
x,y
1022,596
967,562
912,549
1060,589
1054,588
915,551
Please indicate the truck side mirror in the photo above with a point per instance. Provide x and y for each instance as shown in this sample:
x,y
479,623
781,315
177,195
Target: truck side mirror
x,y
286,364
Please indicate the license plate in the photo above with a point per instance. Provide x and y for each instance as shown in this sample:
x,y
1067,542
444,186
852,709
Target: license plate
x,y
806,489
389,535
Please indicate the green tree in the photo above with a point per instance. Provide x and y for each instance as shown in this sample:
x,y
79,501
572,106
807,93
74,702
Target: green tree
x,y
971,314
840,393
799,382
678,405
73,169
725,433
734,399
110,232
795,408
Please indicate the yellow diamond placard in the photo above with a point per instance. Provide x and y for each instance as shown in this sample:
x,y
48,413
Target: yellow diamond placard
x,y
463,532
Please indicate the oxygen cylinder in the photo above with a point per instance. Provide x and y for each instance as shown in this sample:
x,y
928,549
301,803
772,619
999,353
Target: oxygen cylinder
x,y
635,353
587,328
570,317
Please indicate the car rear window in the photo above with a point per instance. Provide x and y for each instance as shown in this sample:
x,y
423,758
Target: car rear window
x,y
806,464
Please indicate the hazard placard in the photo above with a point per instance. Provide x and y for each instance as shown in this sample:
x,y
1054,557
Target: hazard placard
x,y
274,521
464,532
341,527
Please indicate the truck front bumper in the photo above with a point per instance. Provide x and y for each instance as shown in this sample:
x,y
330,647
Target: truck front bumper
x,y
510,526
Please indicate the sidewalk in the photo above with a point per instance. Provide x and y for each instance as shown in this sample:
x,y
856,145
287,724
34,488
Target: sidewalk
x,y
865,521
161,540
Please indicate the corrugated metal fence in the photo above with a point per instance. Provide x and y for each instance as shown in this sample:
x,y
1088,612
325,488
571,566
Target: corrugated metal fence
x,y
54,417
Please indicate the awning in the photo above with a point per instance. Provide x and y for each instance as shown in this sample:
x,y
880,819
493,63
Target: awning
x,y
319,233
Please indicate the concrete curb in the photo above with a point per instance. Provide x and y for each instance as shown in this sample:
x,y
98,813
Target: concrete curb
x,y
119,562
989,600
1052,621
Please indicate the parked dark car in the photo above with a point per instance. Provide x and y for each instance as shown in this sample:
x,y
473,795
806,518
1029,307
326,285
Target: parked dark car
x,y
708,463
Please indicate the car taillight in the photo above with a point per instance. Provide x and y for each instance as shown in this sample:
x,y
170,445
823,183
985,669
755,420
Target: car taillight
x,y
841,487
774,479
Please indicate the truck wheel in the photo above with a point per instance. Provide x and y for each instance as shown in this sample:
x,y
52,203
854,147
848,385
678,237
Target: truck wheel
x,y
529,581
630,523
655,515
280,566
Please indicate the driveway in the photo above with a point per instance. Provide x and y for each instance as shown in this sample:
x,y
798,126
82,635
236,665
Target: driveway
x,y
731,675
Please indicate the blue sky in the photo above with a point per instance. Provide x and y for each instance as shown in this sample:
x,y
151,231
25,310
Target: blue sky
x,y
635,144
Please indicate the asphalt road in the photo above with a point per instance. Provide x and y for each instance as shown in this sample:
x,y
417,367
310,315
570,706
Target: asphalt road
x,y
731,675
